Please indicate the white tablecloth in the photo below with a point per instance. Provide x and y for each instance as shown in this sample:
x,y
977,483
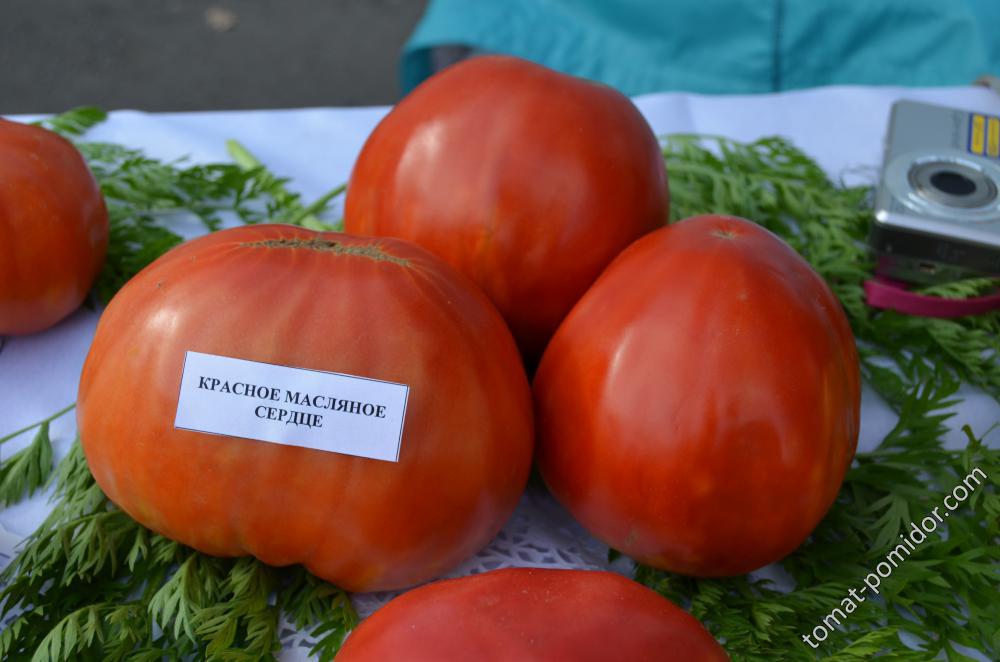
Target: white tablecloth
x,y
842,127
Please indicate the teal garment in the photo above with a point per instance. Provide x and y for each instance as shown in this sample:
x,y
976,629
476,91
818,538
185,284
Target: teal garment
x,y
724,46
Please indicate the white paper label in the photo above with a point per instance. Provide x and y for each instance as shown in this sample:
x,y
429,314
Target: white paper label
x,y
325,411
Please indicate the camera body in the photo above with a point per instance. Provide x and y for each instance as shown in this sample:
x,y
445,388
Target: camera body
x,y
937,207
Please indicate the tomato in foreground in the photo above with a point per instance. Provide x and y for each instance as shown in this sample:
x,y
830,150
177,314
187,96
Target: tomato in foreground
x,y
698,408
532,615
53,228
376,308
527,180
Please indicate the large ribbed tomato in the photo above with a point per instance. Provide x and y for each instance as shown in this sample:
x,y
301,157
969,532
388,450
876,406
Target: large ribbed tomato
x,y
532,615
698,408
527,180
376,308
53,228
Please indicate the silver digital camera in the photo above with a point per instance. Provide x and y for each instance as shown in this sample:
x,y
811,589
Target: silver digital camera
x,y
937,207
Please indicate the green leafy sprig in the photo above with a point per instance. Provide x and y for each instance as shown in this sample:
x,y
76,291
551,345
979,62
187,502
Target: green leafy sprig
x,y
943,595
773,183
30,468
93,584
146,197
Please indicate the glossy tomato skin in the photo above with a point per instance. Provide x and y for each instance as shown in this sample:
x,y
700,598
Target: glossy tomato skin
x,y
378,308
527,180
532,615
699,407
53,228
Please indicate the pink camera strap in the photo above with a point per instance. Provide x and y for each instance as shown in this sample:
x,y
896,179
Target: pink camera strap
x,y
883,292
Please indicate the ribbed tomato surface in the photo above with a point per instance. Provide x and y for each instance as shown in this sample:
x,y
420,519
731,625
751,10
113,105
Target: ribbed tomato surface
x,y
377,308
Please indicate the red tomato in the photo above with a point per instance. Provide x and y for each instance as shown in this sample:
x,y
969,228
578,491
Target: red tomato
x,y
53,228
526,180
532,614
377,308
698,408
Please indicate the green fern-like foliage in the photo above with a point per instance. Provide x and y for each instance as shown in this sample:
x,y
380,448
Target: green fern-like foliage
x,y
92,584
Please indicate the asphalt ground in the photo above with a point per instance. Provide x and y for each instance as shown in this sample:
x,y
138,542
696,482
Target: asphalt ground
x,y
162,55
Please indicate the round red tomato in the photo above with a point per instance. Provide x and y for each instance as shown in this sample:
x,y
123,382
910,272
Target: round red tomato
x,y
381,309
527,180
53,228
532,614
698,408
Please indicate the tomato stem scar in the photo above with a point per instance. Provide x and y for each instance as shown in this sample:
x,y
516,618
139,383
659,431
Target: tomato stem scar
x,y
325,245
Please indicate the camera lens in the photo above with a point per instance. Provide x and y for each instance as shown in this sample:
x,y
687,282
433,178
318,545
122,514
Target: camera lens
x,y
953,183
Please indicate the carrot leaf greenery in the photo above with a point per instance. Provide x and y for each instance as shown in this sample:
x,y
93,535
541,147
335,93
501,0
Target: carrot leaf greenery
x,y
92,584
942,598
